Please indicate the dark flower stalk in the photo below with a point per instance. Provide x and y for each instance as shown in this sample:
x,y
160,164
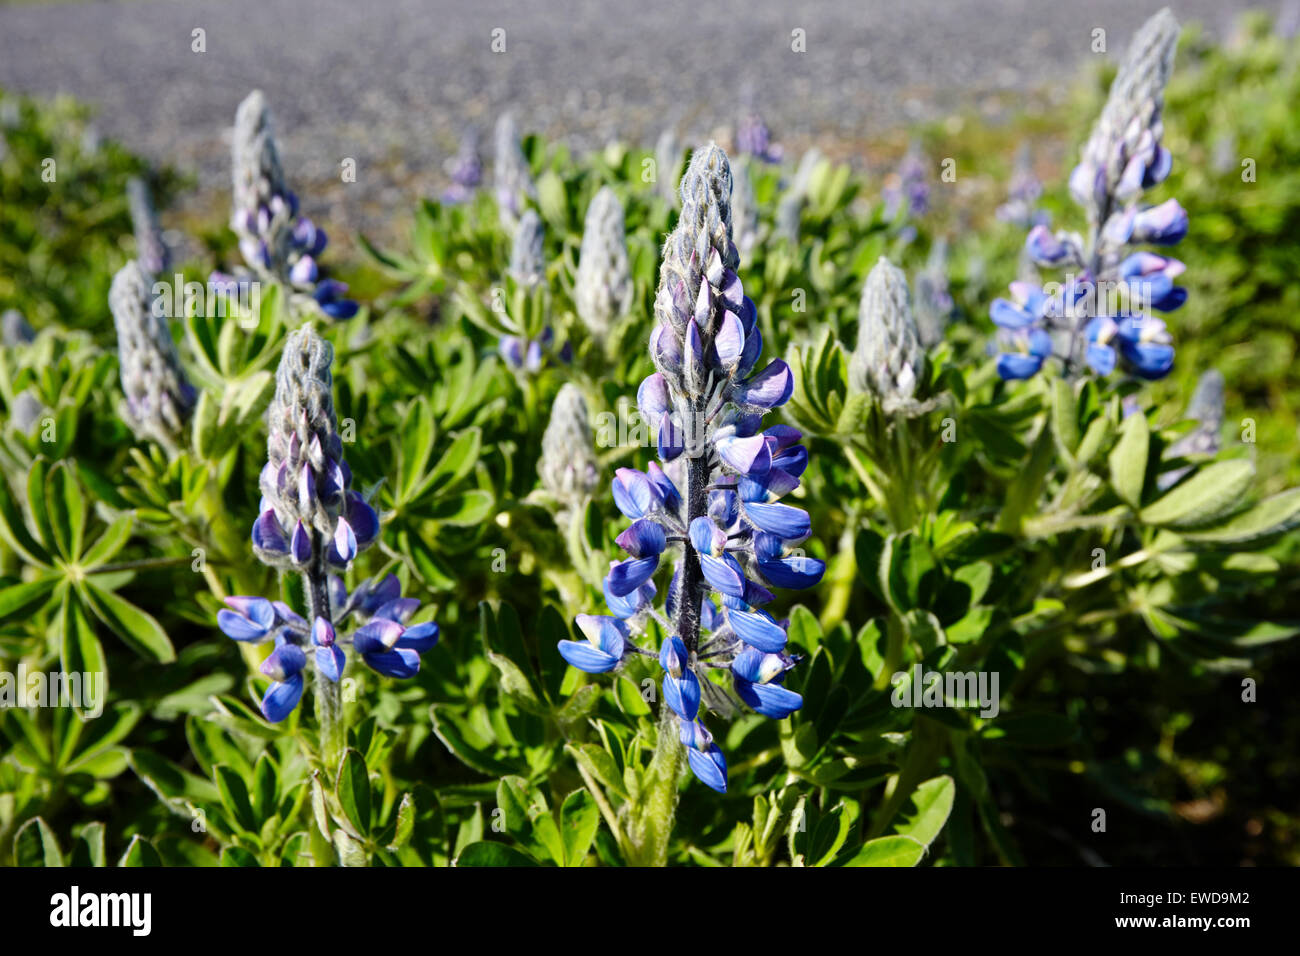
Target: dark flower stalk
x,y
312,522
715,496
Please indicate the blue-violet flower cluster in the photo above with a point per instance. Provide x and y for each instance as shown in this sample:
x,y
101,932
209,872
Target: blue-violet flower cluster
x,y
311,520
1101,317
714,493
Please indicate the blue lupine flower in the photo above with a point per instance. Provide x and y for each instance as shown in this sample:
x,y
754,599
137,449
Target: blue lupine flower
x,y
908,187
1122,159
274,239
466,171
706,403
306,485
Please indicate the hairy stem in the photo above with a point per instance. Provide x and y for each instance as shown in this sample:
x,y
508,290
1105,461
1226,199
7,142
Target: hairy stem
x,y
329,701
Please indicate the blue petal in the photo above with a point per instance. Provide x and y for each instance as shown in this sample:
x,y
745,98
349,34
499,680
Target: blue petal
x,y
300,546
770,388
745,455
377,636
419,638
757,629
784,521
682,695
652,398
1100,358
583,656
283,662
795,573
724,574
626,576
281,698
1014,365
330,662
400,663
240,628
710,767
633,493
770,700
268,535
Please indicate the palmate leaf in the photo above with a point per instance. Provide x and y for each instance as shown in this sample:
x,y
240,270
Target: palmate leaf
x,y
135,626
36,845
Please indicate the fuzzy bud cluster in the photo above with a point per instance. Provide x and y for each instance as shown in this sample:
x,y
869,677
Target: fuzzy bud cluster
x,y
889,361
308,509
603,285
159,399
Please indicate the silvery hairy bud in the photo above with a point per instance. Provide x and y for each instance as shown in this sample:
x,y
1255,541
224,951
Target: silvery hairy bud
x,y
26,411
309,511
744,209
513,179
158,397
1127,136
790,209
603,286
150,249
888,361
698,256
568,466
527,255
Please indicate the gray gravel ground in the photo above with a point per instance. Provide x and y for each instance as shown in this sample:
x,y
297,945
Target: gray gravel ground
x,y
391,83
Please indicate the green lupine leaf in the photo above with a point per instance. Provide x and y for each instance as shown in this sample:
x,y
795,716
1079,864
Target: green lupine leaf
x,y
36,845
485,853
1271,516
889,851
130,623
353,791
114,538
1206,495
579,821
927,811
1128,459
140,853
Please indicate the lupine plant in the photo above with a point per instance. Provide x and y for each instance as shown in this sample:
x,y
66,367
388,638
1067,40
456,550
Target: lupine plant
x,y
715,497
694,597
1123,158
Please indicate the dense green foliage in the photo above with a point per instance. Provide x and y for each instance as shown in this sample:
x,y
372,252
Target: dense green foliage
x,y
1020,529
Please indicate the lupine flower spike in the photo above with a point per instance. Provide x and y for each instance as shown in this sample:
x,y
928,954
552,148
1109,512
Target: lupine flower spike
x,y
567,466
275,240
150,249
159,399
1102,313
889,361
668,163
908,187
789,211
465,170
528,351
312,521
713,495
513,179
603,285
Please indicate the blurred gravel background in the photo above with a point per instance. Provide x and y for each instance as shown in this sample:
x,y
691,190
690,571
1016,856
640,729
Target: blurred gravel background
x,y
392,83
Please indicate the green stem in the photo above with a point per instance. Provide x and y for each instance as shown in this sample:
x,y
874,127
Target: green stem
x,y
651,825
328,695
927,744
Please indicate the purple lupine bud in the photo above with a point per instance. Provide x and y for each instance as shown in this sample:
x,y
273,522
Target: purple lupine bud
x,y
1130,122
159,399
316,509
284,662
1164,225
